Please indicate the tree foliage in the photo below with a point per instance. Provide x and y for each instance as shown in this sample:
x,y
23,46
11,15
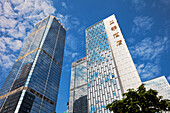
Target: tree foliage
x,y
140,101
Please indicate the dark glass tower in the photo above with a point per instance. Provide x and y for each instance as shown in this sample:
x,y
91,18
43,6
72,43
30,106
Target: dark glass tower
x,y
33,83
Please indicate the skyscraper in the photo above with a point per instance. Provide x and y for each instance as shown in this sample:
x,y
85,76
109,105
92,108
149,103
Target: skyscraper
x,y
110,68
78,87
33,82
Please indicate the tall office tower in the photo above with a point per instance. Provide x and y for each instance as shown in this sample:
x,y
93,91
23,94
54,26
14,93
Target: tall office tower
x,y
161,85
110,68
78,87
33,82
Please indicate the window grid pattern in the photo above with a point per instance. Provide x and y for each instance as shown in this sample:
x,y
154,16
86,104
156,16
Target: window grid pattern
x,y
161,85
42,67
46,107
103,84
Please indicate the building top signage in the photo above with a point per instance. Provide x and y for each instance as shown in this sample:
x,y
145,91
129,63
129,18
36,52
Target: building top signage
x,y
115,35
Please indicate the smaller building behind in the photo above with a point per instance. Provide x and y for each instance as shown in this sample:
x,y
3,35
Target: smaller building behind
x,y
161,85
78,87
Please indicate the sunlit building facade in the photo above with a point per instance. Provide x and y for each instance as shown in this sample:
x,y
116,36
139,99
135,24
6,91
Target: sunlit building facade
x,y
33,83
78,87
110,68
161,85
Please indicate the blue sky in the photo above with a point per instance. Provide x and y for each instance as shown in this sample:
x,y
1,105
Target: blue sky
x,y
144,24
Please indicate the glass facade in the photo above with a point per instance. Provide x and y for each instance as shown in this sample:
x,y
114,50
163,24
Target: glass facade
x,y
78,87
36,73
103,83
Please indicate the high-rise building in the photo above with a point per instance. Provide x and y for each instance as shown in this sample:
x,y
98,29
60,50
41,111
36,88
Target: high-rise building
x,y
161,85
33,83
78,87
110,68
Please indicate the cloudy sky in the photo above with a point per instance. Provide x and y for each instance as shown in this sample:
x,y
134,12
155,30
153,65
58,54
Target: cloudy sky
x,y
144,24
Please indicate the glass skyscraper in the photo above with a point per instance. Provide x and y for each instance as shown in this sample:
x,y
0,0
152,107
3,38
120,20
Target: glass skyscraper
x,y
33,82
78,87
110,68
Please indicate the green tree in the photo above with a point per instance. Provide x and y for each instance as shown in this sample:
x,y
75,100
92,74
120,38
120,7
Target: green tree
x,y
140,101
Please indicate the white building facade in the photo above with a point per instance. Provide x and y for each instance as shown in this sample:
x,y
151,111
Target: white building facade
x,y
161,85
110,68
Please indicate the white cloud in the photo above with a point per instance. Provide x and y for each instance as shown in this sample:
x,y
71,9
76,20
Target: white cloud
x,y
81,30
68,21
46,7
19,16
16,2
16,22
65,20
149,53
64,5
72,42
166,2
149,70
75,21
139,68
7,60
149,49
2,45
0,8
142,24
13,44
67,52
35,9
168,77
20,30
74,55
139,4
131,40
7,23
8,11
